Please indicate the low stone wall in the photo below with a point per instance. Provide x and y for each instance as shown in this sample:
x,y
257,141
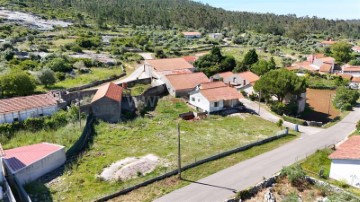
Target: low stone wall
x,y
95,83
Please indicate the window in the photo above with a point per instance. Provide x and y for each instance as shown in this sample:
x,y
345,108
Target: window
x,y
216,104
16,119
193,99
41,114
234,80
198,100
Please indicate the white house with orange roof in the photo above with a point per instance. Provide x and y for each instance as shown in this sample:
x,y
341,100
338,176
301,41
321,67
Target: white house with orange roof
x,y
214,96
351,69
180,85
241,81
324,64
28,163
345,162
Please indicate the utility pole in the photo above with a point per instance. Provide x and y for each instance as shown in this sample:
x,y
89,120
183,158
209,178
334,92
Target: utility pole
x,y
329,104
79,109
179,154
259,101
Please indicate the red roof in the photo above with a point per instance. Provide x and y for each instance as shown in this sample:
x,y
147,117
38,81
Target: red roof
x,y
186,81
191,33
215,84
350,149
348,68
249,76
356,79
328,42
225,74
109,90
22,157
190,59
179,71
356,48
221,93
327,60
299,65
169,64
27,102
325,68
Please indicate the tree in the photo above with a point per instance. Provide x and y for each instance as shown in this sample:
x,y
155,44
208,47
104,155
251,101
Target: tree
x,y
159,53
59,65
8,54
17,83
46,77
355,62
251,57
280,83
240,67
345,98
261,67
341,51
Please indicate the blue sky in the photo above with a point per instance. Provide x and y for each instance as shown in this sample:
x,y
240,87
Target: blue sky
x,y
331,9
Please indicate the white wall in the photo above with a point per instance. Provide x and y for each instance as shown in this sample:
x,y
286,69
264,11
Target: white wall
x,y
41,167
218,108
198,100
348,170
354,74
238,80
22,115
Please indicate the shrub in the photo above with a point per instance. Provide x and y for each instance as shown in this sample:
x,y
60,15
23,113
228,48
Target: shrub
x,y
34,124
295,174
278,108
280,123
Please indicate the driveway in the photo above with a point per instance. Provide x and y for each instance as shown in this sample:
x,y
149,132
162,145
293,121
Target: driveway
x,y
223,184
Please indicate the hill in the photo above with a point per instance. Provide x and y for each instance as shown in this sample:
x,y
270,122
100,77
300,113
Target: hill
x,y
190,14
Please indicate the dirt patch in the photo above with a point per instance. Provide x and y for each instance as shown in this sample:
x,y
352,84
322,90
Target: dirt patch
x,y
320,103
129,168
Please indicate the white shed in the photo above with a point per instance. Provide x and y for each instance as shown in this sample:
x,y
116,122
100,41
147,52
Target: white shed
x,y
345,163
28,163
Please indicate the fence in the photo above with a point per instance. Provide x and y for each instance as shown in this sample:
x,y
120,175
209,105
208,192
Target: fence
x,y
279,135
84,139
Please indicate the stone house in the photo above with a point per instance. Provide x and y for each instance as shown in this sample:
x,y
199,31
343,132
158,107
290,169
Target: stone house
x,y
106,103
345,162
324,64
214,96
192,35
21,108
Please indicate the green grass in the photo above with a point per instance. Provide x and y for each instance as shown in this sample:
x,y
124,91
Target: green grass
x,y
158,136
314,163
239,53
82,79
62,42
65,136
322,83
138,89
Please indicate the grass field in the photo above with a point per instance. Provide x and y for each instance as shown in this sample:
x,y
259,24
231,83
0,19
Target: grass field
x,y
138,89
82,79
239,54
157,135
65,136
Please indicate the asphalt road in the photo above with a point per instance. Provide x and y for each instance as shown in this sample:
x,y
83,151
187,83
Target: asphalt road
x,y
222,185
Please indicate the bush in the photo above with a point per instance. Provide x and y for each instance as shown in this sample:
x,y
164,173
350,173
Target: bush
x,y
280,123
34,124
278,108
294,120
295,174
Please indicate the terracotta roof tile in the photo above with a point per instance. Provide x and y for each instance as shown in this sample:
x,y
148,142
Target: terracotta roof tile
x,y
327,59
21,157
186,81
27,102
351,68
325,68
109,90
356,80
350,149
356,48
221,93
328,42
249,76
179,71
215,84
224,74
191,33
190,59
302,65
169,64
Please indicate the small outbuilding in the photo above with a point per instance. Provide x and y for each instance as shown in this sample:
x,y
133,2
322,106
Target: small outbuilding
x,y
345,165
28,163
106,103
